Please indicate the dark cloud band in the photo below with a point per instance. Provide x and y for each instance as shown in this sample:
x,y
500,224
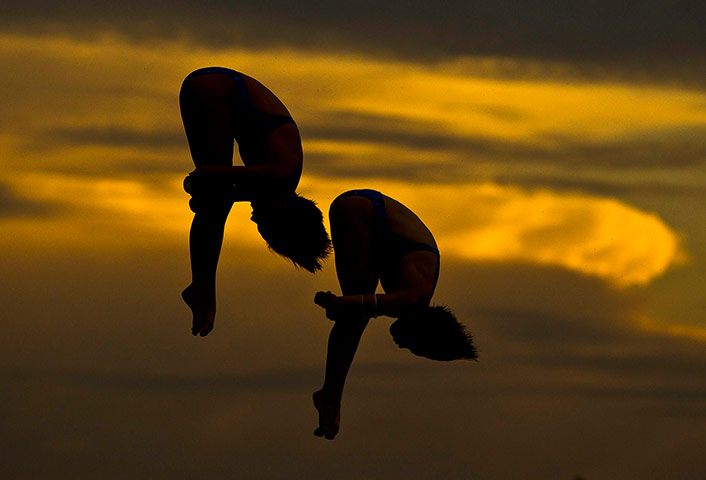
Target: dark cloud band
x,y
654,40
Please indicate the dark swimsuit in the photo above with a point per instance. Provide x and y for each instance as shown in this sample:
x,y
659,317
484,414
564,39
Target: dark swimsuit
x,y
254,126
392,244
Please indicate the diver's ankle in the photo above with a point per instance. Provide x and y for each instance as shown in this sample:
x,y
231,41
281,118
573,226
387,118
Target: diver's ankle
x,y
328,396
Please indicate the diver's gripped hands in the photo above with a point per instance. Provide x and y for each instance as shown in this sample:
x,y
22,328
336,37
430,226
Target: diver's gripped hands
x,y
339,308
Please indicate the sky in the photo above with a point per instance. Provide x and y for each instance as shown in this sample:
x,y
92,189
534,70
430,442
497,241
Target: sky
x,y
555,149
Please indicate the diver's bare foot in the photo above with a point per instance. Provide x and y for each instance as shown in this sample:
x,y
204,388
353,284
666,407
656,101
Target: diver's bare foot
x,y
202,303
329,415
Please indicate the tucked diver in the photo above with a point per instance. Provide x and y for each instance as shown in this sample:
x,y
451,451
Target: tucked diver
x,y
377,239
220,106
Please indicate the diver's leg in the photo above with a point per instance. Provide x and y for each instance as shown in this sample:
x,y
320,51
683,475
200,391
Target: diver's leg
x,y
206,110
205,241
357,274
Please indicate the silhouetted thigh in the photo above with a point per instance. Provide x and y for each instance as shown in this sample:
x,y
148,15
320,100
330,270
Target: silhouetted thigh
x,y
207,110
354,245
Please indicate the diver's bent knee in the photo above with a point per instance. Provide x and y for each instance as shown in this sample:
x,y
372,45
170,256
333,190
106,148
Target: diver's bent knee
x,y
341,206
350,209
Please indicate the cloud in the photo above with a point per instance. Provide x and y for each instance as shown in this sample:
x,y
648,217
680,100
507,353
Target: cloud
x,y
602,183
461,153
118,137
14,205
655,40
592,235
348,144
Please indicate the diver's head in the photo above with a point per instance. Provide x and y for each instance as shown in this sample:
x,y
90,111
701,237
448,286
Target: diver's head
x,y
293,227
433,332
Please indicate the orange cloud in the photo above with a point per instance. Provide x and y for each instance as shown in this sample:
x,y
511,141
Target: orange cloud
x,y
594,236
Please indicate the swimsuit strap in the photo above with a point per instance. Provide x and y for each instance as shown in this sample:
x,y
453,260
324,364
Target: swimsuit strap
x,y
237,77
404,245
270,121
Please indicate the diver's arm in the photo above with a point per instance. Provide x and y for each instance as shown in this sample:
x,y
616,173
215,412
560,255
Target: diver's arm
x,y
210,179
396,303
239,174
372,305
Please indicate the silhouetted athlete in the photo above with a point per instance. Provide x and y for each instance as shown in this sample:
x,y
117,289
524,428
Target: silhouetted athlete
x,y
218,106
376,238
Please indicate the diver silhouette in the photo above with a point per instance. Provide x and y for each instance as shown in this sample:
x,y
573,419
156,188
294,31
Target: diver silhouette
x,y
220,106
377,239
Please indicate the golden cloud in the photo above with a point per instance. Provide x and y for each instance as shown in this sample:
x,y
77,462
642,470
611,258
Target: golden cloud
x,y
594,236
109,82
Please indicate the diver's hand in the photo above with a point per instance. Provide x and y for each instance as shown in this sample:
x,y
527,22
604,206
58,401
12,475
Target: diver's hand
x,y
339,308
331,303
324,299
187,184
196,182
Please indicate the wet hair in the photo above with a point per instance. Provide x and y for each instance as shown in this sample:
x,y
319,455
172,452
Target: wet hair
x,y
433,332
300,235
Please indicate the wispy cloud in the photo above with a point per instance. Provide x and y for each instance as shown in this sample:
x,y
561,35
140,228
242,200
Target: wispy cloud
x,y
119,137
14,205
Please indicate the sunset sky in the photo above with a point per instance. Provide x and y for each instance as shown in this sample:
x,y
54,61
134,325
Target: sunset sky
x,y
557,151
